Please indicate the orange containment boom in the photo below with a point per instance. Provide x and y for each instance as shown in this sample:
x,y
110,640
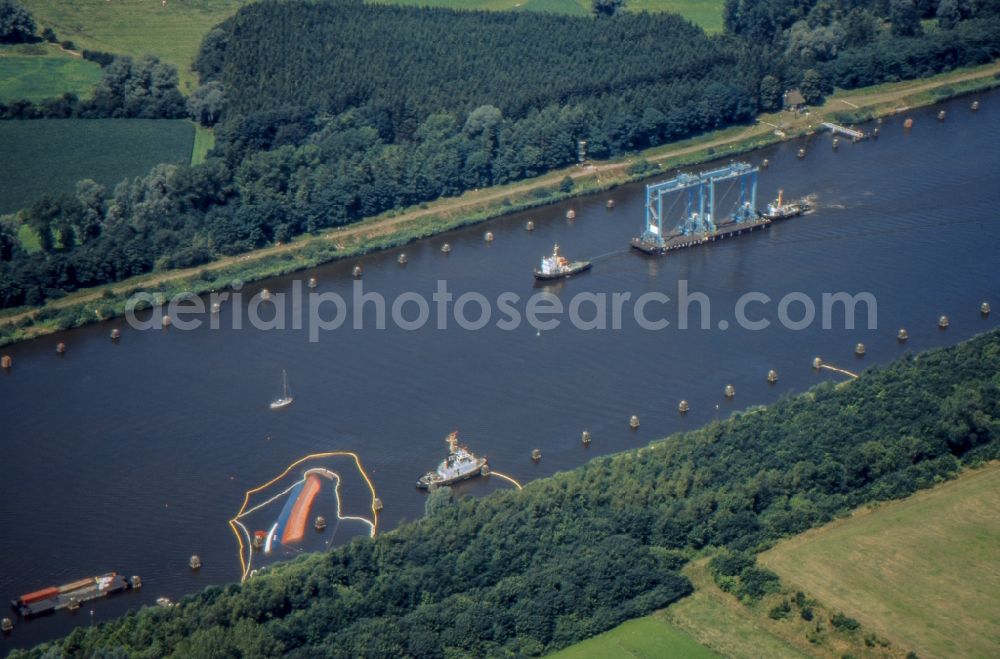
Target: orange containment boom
x,y
296,527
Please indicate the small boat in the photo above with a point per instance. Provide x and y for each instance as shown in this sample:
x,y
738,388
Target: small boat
x,y
286,399
778,210
460,464
556,266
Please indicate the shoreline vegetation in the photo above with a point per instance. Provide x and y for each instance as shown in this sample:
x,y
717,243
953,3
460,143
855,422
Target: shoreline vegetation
x,y
397,228
580,552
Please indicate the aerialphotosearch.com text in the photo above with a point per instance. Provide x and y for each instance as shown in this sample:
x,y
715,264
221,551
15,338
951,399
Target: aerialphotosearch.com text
x,y
320,312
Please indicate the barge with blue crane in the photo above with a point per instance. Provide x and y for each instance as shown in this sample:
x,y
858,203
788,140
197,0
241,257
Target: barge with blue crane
x,y
697,203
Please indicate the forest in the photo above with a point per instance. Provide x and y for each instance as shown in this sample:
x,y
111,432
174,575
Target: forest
x,y
527,572
372,108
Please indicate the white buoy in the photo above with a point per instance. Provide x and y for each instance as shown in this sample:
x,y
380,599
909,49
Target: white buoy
x,y
730,391
488,236
401,259
571,214
941,115
6,625
609,204
859,349
529,226
633,423
536,455
585,437
320,523
902,335
817,362
356,272
265,295
943,322
764,163
165,321
446,248
683,407
116,334
772,376
975,106
801,154
377,504
194,562
984,308
313,283
216,307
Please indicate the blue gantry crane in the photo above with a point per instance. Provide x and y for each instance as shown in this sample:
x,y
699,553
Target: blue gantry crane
x,y
691,202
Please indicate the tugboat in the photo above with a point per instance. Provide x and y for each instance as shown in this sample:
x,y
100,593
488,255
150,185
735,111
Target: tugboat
x,y
777,210
460,464
556,266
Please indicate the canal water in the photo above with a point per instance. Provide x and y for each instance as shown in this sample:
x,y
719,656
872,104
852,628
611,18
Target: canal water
x,y
131,456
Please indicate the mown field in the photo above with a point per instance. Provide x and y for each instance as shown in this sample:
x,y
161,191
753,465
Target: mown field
x,y
39,71
173,30
51,155
649,637
922,571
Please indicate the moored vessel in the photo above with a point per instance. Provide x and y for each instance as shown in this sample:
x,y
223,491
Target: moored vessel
x,y
557,266
460,464
779,210
71,595
285,399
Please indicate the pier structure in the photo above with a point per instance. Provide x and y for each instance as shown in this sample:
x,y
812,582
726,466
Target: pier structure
x,y
693,202
852,133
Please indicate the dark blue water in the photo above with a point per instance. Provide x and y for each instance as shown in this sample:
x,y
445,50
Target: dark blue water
x,y
131,456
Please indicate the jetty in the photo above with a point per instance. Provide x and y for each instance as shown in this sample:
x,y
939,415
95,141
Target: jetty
x,y
852,133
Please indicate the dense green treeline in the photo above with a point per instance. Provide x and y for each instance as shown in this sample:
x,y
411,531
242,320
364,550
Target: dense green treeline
x,y
575,554
329,112
406,64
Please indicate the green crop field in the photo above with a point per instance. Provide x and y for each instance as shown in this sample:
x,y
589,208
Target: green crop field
x,y
40,71
173,30
922,571
51,155
651,637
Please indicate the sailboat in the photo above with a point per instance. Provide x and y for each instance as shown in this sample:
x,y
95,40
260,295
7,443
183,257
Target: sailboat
x,y
286,399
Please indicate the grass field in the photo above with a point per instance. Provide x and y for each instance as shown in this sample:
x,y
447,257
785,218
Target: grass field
x,y
173,30
707,14
718,621
204,141
51,155
651,637
922,571
40,71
